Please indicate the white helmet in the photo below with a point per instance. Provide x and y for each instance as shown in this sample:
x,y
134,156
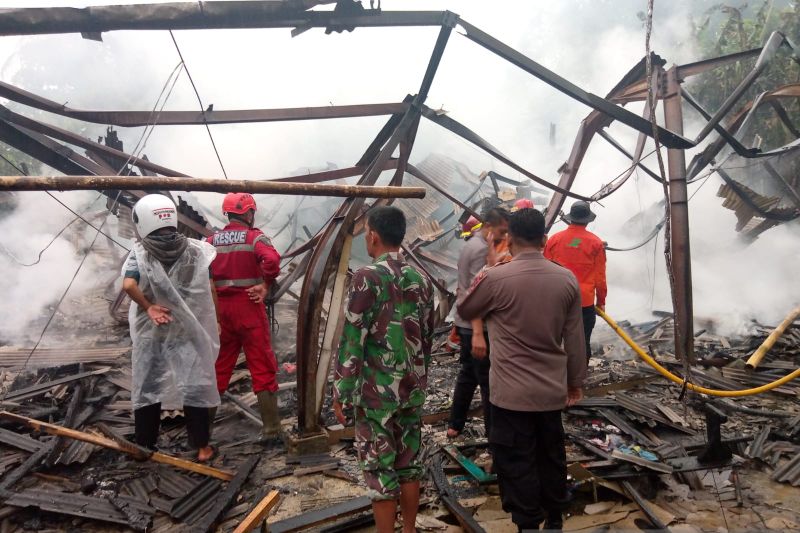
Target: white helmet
x,y
153,212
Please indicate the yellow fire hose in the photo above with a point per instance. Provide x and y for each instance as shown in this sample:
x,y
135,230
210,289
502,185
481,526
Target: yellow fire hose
x,y
680,381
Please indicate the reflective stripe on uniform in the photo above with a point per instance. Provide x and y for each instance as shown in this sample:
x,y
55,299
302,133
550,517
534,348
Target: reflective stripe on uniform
x,y
262,238
235,248
238,282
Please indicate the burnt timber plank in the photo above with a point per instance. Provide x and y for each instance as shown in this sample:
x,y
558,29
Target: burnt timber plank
x,y
652,465
322,516
449,499
40,388
625,427
32,461
226,497
105,442
23,442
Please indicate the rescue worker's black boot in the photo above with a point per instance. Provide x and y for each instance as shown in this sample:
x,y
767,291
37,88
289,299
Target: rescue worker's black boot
x,y
271,433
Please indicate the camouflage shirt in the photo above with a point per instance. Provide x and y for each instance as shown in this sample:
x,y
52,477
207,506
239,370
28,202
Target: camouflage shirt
x,y
385,348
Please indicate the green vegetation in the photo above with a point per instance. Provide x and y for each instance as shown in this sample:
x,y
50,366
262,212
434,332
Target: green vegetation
x,y
725,29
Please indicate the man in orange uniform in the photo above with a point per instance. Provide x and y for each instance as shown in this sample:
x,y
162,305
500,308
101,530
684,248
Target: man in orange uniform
x,y
245,265
584,254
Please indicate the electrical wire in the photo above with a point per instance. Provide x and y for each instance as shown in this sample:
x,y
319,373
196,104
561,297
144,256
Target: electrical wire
x,y
153,118
651,102
142,139
78,216
199,101
58,304
42,251
647,239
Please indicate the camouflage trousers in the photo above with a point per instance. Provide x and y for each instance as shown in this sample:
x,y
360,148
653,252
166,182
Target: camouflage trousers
x,y
388,443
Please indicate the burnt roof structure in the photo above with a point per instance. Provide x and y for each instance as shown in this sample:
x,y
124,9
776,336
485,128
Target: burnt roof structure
x,y
323,260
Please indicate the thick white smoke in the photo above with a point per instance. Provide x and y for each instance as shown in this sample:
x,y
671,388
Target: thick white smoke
x,y
592,44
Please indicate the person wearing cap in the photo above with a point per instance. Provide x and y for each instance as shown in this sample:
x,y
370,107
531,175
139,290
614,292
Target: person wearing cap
x,y
474,356
173,323
245,266
584,254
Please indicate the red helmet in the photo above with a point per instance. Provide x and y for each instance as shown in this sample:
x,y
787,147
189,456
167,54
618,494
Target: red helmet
x,y
238,203
522,203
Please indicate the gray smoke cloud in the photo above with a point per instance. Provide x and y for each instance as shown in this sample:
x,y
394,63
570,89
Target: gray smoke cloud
x,y
592,44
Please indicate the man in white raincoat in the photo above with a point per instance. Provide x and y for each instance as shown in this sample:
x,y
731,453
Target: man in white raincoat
x,y
173,324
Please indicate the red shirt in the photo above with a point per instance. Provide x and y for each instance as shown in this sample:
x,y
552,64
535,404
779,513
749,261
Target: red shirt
x,y
584,254
245,257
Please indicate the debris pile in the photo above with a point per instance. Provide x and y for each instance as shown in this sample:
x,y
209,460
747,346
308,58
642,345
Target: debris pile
x,y
640,450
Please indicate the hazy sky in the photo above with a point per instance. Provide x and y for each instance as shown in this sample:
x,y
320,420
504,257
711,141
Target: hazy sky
x,y
591,43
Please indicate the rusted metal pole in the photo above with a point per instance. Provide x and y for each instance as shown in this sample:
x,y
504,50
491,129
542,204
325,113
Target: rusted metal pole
x,y
163,183
679,227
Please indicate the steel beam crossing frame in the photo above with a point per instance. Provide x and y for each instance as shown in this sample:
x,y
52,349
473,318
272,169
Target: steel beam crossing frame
x,y
327,249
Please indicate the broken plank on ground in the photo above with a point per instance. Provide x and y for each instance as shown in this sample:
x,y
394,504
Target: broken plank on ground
x,y
322,516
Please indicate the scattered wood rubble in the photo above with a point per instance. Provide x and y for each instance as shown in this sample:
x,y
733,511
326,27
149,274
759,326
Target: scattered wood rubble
x,y
640,455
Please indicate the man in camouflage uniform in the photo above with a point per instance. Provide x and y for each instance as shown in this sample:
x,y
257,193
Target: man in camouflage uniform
x,y
382,369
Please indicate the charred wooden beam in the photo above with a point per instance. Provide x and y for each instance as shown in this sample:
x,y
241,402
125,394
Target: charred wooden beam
x,y
78,394
22,470
41,388
149,183
642,504
23,442
449,499
202,16
322,516
225,499
157,457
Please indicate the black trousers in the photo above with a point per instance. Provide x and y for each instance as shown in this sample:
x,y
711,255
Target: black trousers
x,y
473,373
589,320
531,464
147,421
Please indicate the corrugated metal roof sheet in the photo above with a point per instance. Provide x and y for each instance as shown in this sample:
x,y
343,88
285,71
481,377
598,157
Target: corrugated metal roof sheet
x,y
50,357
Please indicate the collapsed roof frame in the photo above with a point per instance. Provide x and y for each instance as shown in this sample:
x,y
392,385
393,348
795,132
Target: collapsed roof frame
x,y
327,253
670,90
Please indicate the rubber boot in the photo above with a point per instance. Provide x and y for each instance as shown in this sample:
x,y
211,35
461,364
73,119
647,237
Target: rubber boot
x,y
271,433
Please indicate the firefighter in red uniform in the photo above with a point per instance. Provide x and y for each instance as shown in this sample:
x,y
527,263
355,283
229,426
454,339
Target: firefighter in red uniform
x,y
245,265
